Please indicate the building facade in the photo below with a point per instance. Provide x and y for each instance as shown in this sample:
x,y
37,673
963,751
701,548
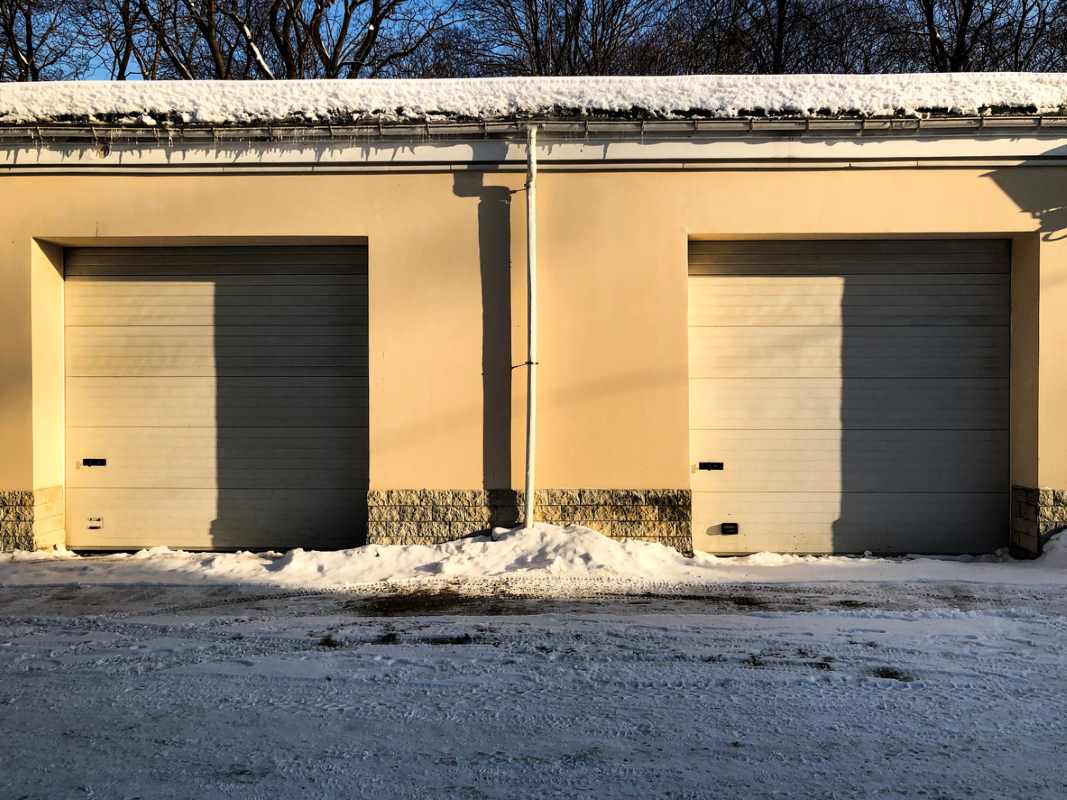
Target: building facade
x,y
770,335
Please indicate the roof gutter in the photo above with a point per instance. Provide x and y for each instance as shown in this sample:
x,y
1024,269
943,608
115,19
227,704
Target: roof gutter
x,y
567,145
556,128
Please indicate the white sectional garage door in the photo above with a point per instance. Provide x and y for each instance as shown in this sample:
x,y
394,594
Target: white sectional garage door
x,y
216,396
849,395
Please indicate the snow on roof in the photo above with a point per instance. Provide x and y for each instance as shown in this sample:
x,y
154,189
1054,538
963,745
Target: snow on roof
x,y
711,96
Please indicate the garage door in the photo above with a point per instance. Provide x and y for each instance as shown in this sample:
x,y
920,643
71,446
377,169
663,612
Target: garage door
x,y
216,397
849,395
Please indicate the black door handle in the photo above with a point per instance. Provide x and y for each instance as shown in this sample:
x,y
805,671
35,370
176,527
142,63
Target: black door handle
x,y
710,465
94,462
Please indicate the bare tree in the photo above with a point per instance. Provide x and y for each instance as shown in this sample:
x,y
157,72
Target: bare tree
x,y
241,39
200,37
1026,38
563,37
350,38
858,37
774,30
173,34
450,53
38,41
965,35
701,36
122,39
776,36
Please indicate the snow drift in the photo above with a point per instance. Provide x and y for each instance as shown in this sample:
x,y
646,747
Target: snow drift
x,y
338,101
546,559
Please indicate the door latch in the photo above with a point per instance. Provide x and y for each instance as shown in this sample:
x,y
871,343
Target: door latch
x,y
94,462
710,465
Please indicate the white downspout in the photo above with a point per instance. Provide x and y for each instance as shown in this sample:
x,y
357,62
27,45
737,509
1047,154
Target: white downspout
x,y
531,323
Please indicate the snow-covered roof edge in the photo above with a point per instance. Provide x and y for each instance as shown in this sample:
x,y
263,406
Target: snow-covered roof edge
x,y
151,103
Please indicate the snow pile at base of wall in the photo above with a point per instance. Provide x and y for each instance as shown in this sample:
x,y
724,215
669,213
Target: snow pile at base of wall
x,y
1055,552
547,559
325,101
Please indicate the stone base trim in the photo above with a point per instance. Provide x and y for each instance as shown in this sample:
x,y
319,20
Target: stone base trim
x,y
1036,514
31,519
431,516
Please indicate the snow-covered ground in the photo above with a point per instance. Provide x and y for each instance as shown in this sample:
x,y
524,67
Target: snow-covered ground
x,y
319,101
832,690
555,663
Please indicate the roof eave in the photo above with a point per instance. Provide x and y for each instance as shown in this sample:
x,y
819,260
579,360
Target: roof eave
x,y
551,127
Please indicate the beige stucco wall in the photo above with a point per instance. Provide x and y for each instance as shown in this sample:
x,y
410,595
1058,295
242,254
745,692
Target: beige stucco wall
x,y
613,281
46,331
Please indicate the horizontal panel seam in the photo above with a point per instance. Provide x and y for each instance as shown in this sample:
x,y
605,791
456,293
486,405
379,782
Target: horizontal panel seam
x,y
857,430
835,492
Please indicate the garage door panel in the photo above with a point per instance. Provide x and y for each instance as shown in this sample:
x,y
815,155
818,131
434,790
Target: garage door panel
x,y
850,256
812,522
866,352
830,403
235,300
212,262
888,282
246,401
223,351
855,460
874,300
204,458
212,518
857,393
967,316
231,379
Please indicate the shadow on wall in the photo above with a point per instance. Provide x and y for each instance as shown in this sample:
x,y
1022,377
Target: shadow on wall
x,y
1044,200
494,259
291,396
924,397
